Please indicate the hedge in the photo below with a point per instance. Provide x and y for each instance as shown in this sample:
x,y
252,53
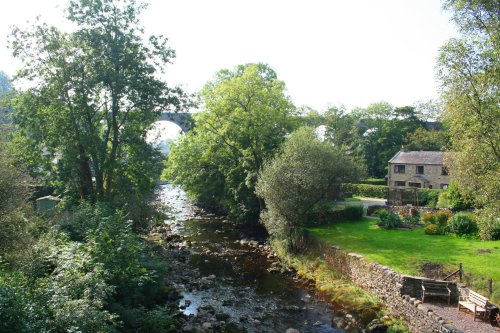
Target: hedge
x,y
365,190
426,197
328,212
374,181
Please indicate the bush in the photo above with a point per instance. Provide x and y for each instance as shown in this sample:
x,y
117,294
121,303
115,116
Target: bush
x,y
428,197
159,320
462,224
325,212
365,190
374,181
488,222
354,212
452,198
411,219
432,229
388,220
439,219
78,220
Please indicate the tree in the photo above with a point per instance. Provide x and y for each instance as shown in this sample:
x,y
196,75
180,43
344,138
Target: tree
x,y
304,172
95,94
246,118
343,130
428,111
469,73
384,131
428,140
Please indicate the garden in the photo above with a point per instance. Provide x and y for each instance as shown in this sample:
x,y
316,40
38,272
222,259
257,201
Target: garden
x,y
408,243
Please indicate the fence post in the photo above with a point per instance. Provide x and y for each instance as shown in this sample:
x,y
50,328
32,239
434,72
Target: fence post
x,y
490,286
461,272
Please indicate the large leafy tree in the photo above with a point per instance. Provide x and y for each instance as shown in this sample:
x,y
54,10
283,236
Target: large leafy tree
x,y
245,119
469,71
94,94
302,175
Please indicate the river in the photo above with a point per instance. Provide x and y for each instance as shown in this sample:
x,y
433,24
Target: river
x,y
241,285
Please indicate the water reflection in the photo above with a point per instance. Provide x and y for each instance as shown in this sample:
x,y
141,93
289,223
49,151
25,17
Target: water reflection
x,y
240,284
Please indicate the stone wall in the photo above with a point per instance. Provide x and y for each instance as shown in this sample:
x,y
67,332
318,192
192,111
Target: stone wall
x,y
400,293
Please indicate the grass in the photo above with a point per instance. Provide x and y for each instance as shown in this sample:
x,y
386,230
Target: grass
x,y
353,199
406,250
335,287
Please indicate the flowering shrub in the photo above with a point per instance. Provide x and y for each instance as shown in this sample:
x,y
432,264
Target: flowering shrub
x,y
439,220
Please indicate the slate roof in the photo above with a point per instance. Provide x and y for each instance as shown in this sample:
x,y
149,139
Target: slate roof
x,y
418,157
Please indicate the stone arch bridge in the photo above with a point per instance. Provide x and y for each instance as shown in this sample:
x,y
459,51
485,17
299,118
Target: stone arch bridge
x,y
183,119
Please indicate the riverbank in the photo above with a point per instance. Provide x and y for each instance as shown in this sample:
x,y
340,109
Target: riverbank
x,y
398,292
228,280
411,252
331,285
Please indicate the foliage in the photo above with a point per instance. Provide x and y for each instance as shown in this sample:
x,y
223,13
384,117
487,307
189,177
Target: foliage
x,y
427,140
246,118
462,224
385,131
374,181
365,190
14,304
304,173
326,211
94,94
78,220
312,265
432,229
468,70
411,219
441,218
452,198
437,222
349,212
405,251
71,296
19,226
159,320
388,220
428,197
488,222
342,130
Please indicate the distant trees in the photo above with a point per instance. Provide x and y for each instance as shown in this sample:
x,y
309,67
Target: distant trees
x,y
373,134
469,72
303,174
246,117
94,94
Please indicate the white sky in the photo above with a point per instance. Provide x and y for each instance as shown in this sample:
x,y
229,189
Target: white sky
x,y
351,52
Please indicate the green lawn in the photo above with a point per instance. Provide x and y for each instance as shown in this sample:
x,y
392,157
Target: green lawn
x,y
406,250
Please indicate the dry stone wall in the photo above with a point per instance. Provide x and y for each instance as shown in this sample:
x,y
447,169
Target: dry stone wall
x,y
400,293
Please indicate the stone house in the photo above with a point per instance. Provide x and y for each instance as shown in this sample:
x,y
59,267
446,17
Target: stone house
x,y
418,169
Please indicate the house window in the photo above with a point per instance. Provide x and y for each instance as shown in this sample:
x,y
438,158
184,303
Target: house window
x,y
444,171
415,185
430,187
399,183
443,186
399,169
420,169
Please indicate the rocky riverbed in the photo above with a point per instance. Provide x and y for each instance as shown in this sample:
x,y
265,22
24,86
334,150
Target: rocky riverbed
x,y
227,280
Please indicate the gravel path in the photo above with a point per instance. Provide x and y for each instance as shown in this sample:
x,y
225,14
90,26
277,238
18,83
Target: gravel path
x,y
462,320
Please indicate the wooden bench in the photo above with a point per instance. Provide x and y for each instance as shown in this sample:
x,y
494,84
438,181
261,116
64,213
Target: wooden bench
x,y
435,288
474,302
